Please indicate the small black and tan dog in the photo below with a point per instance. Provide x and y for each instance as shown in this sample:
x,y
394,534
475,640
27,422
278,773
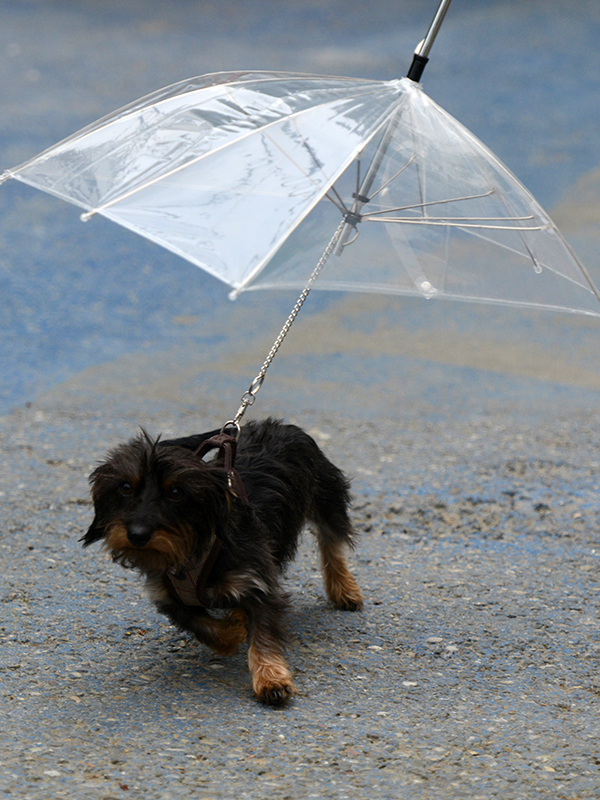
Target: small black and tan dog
x,y
209,537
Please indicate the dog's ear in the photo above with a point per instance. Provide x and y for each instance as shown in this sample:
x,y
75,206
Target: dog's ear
x,y
95,532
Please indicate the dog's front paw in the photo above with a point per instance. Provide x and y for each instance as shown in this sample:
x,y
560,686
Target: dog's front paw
x,y
271,678
275,694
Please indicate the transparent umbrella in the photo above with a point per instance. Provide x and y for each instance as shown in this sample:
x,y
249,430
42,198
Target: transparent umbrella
x,y
258,177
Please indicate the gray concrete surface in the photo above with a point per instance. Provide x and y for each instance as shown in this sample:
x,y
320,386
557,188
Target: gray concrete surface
x,y
471,673
471,435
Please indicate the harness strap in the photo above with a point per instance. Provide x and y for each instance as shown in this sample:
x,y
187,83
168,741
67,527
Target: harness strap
x,y
188,584
227,445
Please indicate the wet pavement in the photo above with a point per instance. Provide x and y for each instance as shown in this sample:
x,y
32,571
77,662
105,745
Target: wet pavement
x,y
471,435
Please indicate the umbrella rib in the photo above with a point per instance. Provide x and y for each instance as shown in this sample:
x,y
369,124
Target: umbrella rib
x,y
357,190
367,182
393,178
322,193
132,109
536,264
442,222
340,205
502,169
502,245
431,203
452,219
590,284
421,173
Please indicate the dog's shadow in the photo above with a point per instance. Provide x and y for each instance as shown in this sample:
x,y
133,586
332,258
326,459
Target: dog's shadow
x,y
183,670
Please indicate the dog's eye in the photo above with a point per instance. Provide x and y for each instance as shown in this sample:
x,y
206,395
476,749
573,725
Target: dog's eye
x,y
125,488
175,493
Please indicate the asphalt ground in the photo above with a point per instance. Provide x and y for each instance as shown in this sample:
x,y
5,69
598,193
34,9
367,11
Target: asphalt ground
x,y
470,434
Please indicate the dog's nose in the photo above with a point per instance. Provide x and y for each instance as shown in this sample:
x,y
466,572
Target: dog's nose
x,y
139,535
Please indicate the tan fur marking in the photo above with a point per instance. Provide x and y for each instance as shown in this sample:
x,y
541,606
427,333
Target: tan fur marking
x,y
222,635
340,585
116,538
271,678
164,550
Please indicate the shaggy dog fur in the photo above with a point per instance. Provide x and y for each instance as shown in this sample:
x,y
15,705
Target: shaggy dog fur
x,y
202,546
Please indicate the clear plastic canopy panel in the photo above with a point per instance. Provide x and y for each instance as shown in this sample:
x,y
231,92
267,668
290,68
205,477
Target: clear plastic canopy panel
x,y
445,219
215,169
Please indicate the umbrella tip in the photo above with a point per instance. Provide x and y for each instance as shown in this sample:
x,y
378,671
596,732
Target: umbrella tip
x,y
419,63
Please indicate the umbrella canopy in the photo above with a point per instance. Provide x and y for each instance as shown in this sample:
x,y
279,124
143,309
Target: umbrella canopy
x,y
248,175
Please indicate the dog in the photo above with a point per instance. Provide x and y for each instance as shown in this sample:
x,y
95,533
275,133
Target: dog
x,y
212,537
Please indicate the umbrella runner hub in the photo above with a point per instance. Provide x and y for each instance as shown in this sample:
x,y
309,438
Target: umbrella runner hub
x,y
353,218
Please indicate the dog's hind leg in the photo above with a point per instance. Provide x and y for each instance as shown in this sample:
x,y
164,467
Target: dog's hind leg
x,y
340,584
335,534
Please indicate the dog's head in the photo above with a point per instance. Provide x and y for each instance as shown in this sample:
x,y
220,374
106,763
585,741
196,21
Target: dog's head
x,y
156,505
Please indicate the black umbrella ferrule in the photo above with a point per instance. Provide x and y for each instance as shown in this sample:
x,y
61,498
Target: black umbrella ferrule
x,y
360,197
416,68
352,218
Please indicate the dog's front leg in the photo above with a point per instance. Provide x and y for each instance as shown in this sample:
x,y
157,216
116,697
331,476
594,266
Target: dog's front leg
x,y
271,678
258,595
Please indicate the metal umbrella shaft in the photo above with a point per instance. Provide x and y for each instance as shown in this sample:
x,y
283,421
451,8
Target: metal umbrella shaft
x,y
420,59
421,56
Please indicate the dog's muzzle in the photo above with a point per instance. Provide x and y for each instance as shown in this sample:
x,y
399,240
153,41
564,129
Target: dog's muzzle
x,y
139,535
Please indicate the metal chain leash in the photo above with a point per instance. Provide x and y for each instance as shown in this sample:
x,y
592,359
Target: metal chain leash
x,y
249,396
